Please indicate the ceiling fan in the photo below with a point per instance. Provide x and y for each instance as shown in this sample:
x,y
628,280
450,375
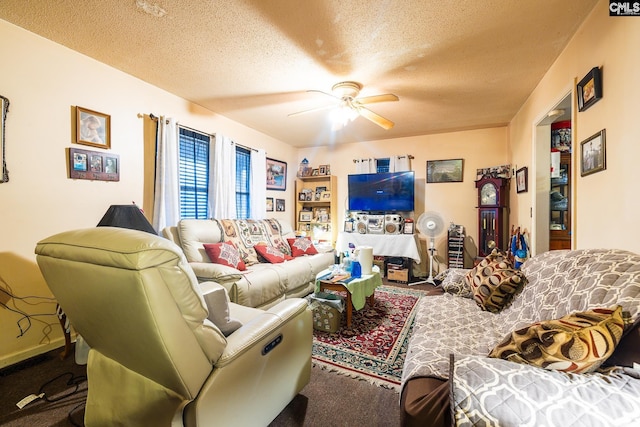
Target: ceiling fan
x,y
349,106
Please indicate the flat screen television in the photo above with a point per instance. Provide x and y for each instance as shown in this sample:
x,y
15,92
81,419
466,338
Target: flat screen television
x,y
382,192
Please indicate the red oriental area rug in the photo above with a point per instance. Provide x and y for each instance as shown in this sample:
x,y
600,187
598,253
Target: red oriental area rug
x,y
375,346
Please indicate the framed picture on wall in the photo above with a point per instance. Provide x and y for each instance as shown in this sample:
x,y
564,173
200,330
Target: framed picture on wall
x,y
589,89
279,205
593,154
269,204
93,128
522,179
444,170
93,165
276,175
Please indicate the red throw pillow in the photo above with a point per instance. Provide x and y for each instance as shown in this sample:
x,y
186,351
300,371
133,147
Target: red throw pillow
x,y
271,254
302,246
225,253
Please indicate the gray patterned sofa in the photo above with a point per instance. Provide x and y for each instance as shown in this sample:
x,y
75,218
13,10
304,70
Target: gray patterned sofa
x,y
263,284
448,378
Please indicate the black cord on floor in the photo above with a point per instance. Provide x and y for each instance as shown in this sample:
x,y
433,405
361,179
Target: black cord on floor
x,y
73,380
70,417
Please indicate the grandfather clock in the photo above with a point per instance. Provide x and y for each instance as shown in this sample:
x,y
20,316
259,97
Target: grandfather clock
x,y
493,197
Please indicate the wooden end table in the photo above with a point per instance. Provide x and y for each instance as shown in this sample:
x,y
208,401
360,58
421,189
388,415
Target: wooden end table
x,y
371,282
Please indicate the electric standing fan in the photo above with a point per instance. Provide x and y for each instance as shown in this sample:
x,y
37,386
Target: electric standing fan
x,y
431,225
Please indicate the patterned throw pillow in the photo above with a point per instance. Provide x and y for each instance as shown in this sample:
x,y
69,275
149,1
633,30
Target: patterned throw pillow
x,y
271,254
494,282
577,343
225,253
452,281
302,246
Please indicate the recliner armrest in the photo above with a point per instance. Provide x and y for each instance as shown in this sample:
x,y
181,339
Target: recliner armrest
x,y
261,326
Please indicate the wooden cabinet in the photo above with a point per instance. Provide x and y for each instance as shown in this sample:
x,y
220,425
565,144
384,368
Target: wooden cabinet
x,y
316,207
560,206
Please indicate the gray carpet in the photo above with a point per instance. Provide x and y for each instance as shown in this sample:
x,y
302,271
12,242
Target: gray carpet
x,y
328,400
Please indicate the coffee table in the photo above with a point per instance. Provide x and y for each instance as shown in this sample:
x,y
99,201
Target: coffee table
x,y
358,290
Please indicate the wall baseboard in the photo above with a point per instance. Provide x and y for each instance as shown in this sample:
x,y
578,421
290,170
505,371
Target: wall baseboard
x,y
12,359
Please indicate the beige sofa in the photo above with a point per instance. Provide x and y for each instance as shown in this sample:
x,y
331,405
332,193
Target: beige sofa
x,y
263,284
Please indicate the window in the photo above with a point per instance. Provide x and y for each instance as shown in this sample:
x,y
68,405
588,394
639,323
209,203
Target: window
x,y
194,173
382,165
194,176
243,175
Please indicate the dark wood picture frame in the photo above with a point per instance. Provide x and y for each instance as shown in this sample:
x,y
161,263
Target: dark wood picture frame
x,y
280,206
93,128
93,165
593,154
276,175
522,180
450,170
269,204
589,89
4,109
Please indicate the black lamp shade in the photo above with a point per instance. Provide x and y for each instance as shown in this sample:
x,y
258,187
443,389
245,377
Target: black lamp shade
x,y
126,216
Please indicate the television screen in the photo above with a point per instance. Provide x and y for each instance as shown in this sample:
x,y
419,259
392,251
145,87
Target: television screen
x,y
382,192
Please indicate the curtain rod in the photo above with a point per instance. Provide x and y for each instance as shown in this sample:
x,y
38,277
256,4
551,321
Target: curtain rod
x,y
154,117
410,158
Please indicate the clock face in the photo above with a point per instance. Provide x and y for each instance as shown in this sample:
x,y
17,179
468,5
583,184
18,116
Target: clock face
x,y
488,194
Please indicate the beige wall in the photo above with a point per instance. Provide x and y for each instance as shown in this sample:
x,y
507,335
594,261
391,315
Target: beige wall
x,y
607,205
43,82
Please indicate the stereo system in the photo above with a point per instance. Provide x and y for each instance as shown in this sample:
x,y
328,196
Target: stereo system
x,y
365,223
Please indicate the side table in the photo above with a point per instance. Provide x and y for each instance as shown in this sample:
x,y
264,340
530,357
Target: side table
x,y
358,291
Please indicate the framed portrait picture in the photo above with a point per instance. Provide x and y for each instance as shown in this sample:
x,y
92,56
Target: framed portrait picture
x,y
93,165
4,109
593,154
348,226
315,172
269,204
276,175
279,205
522,180
444,170
322,169
589,89
93,128
325,196
305,216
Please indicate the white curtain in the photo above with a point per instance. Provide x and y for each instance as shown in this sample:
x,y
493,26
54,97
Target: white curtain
x,y
223,186
258,184
166,205
365,166
400,163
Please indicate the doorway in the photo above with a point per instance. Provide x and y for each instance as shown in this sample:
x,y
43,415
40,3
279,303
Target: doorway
x,y
549,220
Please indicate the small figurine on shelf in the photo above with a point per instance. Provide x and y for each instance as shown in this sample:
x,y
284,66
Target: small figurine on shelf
x,y
303,168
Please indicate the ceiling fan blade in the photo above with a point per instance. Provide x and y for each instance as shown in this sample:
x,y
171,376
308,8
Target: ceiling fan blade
x,y
375,118
324,93
311,110
387,97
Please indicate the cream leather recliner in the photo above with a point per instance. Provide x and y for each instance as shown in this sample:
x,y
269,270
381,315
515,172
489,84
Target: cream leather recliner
x,y
156,359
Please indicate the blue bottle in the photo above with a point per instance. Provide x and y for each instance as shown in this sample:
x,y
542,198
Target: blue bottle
x,y
356,269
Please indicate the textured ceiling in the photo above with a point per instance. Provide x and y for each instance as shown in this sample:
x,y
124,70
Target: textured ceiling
x,y
454,64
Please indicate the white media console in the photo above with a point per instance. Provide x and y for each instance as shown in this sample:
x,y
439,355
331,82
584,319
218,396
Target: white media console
x,y
389,245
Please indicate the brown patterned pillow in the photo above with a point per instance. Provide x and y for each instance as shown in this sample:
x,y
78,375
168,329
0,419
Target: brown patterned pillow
x,y
578,342
494,282
452,281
